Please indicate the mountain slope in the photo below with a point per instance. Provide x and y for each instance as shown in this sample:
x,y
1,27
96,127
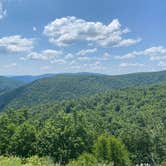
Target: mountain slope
x,y
30,78
66,86
135,115
7,84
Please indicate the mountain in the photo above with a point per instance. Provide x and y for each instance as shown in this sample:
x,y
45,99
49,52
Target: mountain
x,y
8,84
30,78
66,129
64,86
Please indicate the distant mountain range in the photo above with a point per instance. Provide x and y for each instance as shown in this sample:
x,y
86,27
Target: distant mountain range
x,y
45,88
8,84
30,78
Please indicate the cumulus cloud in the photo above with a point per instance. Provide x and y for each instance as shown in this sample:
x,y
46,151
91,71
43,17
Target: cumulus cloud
x,y
162,64
45,55
127,56
3,12
106,56
11,65
128,42
71,30
155,53
86,51
83,58
131,65
15,44
34,29
58,61
69,56
95,66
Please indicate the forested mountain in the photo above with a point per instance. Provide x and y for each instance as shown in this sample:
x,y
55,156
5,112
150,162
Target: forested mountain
x,y
7,84
86,118
30,78
65,130
64,86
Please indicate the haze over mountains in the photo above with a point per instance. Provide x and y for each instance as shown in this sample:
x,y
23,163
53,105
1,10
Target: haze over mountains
x,y
8,84
32,90
30,78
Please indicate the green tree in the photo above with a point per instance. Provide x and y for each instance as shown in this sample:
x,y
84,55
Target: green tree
x,y
110,149
84,160
22,142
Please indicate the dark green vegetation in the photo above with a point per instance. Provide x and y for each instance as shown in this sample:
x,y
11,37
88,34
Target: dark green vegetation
x,y
121,126
66,86
8,84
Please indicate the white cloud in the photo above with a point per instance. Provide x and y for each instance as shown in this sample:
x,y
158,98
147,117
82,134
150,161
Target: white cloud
x,y
155,53
127,56
83,58
69,56
87,51
34,29
70,30
73,62
3,12
15,44
128,42
45,55
162,64
153,58
11,65
106,56
58,61
131,65
95,66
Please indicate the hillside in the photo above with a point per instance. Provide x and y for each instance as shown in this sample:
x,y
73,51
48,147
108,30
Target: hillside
x,y
30,78
64,130
7,84
66,86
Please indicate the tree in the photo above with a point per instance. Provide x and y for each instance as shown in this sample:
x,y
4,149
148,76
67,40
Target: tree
x,y
119,153
23,140
84,160
102,149
110,149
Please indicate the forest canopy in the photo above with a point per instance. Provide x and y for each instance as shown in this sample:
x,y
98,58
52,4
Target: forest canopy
x,y
119,126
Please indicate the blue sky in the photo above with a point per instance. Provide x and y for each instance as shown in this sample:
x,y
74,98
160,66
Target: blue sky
x,y
103,36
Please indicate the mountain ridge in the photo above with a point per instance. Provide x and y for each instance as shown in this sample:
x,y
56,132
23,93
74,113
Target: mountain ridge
x,y
66,86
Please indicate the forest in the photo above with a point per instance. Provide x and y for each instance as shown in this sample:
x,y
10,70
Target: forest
x,y
118,127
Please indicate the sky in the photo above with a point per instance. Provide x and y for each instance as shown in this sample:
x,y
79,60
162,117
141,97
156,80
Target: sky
x,y
65,36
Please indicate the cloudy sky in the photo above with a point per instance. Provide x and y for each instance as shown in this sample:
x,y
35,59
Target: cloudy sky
x,y
101,36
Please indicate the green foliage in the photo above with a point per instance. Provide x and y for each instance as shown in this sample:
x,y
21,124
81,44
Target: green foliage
x,y
66,129
88,160
163,163
36,161
63,138
66,86
32,161
119,153
84,160
12,161
102,148
110,149
23,140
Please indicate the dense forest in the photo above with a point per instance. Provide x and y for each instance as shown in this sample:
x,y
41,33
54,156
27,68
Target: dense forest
x,y
120,127
67,86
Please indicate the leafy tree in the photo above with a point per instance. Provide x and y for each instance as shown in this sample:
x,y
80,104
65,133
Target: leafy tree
x,y
23,140
84,160
110,149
